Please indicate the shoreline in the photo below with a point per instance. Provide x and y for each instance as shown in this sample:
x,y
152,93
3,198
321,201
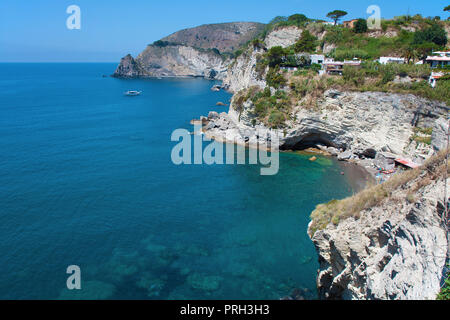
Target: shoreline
x,y
358,175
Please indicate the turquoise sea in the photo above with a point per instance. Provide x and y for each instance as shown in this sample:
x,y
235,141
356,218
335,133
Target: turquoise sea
x,y
86,179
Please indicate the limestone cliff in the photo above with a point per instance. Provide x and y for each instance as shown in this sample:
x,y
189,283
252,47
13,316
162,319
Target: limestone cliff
x,y
352,122
195,52
395,249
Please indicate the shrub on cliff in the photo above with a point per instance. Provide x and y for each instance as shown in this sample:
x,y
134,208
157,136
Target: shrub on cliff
x,y
306,43
275,56
275,79
276,119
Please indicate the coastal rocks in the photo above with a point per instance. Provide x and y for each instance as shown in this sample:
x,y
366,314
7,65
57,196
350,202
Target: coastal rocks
x,y
346,155
175,60
395,250
213,115
361,124
439,137
129,68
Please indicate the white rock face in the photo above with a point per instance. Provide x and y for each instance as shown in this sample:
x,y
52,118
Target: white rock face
x,y
396,250
283,37
439,138
242,74
181,61
354,121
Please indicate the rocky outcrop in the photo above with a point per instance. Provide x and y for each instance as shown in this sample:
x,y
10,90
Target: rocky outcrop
x,y
395,250
195,52
283,37
130,68
242,74
351,122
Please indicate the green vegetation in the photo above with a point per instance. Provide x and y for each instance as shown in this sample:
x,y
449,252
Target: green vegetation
x,y
375,77
338,210
361,26
162,44
434,34
304,87
306,43
275,79
445,291
429,35
272,110
336,15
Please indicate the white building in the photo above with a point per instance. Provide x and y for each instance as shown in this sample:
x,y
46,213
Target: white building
x,y
386,60
434,78
317,58
440,59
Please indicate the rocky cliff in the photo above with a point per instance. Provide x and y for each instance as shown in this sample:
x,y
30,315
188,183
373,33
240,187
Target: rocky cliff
x,y
195,52
395,249
349,123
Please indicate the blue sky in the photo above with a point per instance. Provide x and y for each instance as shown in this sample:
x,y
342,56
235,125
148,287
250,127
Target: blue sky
x,y
35,31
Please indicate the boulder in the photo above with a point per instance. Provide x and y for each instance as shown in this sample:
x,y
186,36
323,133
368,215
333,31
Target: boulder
x,y
346,155
213,115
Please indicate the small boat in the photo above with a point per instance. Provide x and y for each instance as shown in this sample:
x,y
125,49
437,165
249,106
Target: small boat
x,y
133,93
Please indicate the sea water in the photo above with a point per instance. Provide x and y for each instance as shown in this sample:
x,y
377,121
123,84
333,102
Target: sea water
x,y
86,179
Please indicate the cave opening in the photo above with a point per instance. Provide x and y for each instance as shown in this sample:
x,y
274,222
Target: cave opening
x,y
312,140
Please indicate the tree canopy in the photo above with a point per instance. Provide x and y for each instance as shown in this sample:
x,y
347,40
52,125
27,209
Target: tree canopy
x,y
275,55
361,26
434,34
336,15
447,8
306,43
298,19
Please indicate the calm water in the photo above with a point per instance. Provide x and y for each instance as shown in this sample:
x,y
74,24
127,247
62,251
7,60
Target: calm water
x,y
86,179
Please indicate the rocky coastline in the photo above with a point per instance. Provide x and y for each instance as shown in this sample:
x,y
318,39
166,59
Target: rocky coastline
x,y
396,249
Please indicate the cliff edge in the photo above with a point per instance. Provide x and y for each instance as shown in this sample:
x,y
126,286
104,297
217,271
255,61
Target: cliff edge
x,y
387,242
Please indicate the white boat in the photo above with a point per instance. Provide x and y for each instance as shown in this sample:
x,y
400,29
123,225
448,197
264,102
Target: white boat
x,y
133,93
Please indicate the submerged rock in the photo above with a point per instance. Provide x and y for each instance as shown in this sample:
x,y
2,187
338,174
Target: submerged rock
x,y
204,282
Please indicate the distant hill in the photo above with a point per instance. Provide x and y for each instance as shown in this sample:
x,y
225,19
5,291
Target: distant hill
x,y
226,37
